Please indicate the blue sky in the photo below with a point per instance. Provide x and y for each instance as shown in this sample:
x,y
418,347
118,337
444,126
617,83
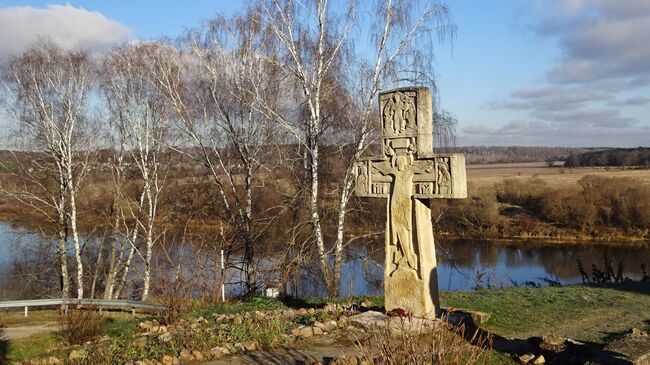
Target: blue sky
x,y
519,72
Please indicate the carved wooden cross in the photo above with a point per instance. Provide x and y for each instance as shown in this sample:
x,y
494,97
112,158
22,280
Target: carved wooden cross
x,y
406,173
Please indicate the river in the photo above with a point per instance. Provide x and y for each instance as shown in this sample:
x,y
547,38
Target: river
x,y
462,264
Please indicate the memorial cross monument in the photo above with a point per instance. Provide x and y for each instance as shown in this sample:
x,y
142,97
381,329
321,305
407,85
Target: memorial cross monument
x,y
408,174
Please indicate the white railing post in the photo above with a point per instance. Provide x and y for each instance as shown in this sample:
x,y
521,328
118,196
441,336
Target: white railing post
x,y
26,310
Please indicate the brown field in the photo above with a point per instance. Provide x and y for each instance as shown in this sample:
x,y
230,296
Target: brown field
x,y
556,176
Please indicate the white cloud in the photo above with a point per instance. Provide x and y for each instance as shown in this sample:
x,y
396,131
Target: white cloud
x,y
66,25
551,134
599,39
596,90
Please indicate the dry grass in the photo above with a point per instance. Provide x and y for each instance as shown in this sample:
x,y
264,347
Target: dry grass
x,y
556,176
80,325
407,341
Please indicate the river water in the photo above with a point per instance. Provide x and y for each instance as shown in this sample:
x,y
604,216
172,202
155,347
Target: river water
x,y
462,264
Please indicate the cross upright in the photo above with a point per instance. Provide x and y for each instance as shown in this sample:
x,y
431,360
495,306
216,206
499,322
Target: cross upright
x,y
408,174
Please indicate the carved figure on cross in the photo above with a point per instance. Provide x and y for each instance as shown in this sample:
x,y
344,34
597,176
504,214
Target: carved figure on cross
x,y
408,174
402,169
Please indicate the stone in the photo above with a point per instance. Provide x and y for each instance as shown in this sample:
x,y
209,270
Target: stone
x,y
311,311
251,345
539,360
303,331
141,341
186,355
331,308
344,360
553,343
77,355
317,331
373,319
318,324
218,352
288,313
146,325
198,355
634,348
237,319
330,325
408,174
302,312
51,360
479,317
369,319
165,337
525,358
365,304
171,360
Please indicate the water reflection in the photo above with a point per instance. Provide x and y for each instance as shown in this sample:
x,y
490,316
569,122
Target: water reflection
x,y
459,262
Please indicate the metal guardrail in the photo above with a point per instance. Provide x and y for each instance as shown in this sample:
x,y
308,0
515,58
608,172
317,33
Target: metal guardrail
x,y
100,303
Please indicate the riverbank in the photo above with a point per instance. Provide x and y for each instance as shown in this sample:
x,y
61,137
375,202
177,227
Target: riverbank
x,y
596,314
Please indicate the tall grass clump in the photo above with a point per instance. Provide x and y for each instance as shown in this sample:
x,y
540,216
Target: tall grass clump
x,y
80,326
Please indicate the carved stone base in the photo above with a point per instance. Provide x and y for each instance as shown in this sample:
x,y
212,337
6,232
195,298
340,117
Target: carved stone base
x,y
414,290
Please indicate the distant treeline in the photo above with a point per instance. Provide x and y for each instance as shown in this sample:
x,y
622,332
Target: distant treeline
x,y
473,154
573,156
510,154
612,157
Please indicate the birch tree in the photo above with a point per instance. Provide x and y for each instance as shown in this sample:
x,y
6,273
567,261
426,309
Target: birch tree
x,y
318,53
210,84
140,114
48,89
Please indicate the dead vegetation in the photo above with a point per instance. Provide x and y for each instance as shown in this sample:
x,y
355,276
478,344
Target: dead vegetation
x,y
432,343
80,325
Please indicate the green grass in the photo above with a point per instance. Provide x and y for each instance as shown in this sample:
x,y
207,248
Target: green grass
x,y
581,312
256,303
114,327
259,303
33,346
17,318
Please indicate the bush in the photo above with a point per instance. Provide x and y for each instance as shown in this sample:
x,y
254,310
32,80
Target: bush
x,y
80,326
478,215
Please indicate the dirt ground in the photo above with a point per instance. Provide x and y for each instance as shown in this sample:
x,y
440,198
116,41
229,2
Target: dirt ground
x,y
494,173
14,333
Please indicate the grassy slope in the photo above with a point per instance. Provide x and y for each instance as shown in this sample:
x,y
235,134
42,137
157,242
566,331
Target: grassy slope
x,y
581,312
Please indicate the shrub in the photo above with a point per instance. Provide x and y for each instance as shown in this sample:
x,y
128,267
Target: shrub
x,y
80,326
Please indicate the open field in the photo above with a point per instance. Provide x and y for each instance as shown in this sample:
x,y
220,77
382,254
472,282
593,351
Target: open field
x,y
557,175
